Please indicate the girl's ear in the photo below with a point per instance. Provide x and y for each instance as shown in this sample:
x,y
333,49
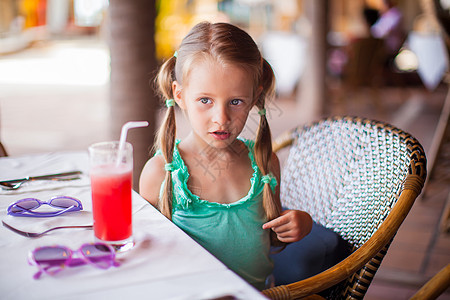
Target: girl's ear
x,y
177,95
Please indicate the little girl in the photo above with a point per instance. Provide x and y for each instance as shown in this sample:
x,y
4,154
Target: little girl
x,y
219,188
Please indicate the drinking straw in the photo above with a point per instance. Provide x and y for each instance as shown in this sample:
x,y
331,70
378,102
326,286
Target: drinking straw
x,y
123,135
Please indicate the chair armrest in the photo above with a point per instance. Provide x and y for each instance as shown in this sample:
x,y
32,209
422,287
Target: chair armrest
x,y
357,259
435,286
284,140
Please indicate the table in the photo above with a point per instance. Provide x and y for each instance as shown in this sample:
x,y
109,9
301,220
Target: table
x,y
164,264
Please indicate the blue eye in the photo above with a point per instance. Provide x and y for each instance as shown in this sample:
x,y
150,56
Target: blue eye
x,y
205,100
236,102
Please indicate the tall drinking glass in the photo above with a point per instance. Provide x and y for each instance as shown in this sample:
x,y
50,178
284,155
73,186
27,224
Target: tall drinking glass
x,y
111,184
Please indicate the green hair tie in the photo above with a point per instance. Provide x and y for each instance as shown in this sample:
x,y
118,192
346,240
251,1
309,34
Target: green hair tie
x,y
262,112
175,54
170,102
270,179
169,167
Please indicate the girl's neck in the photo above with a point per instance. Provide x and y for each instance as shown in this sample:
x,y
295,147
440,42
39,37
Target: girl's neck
x,y
211,153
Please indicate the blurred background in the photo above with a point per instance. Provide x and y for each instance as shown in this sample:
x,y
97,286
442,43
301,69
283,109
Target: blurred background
x,y
72,72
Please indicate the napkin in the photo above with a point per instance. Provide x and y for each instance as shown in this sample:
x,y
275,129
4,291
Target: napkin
x,y
432,55
42,164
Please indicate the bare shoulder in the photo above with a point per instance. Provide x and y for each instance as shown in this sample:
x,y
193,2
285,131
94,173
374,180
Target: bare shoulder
x,y
152,176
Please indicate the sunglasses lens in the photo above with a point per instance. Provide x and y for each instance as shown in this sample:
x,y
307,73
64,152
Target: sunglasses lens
x,y
99,254
51,256
26,204
64,202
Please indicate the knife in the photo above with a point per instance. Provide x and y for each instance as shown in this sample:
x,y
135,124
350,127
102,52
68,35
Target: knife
x,y
57,175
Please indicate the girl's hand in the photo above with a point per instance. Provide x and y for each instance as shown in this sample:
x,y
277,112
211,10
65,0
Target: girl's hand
x,y
291,225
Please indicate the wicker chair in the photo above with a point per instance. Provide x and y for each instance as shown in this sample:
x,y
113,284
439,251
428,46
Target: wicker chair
x,y
359,178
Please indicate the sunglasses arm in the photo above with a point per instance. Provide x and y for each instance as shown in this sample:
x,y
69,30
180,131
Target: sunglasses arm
x,y
30,213
42,269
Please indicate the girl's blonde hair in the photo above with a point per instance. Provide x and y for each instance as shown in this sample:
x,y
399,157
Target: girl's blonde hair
x,y
226,44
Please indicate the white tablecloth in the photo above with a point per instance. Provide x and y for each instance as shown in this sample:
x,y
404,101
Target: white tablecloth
x,y
164,264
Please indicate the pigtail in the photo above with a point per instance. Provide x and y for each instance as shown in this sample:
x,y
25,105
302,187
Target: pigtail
x,y
263,142
263,147
165,77
166,134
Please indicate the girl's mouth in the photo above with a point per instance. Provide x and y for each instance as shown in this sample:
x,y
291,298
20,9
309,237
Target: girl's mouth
x,y
220,135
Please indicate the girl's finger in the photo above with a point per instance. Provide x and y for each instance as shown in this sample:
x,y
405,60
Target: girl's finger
x,y
276,222
284,235
287,239
283,228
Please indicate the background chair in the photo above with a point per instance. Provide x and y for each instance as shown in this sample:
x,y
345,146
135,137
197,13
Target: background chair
x,y
3,150
364,68
359,178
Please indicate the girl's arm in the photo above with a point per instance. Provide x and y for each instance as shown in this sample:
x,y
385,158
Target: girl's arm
x,y
152,176
291,225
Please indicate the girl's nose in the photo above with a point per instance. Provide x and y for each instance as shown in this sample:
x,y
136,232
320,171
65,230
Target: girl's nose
x,y
221,115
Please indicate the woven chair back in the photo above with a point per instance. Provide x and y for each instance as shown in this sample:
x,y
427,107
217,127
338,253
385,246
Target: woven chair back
x,y
348,173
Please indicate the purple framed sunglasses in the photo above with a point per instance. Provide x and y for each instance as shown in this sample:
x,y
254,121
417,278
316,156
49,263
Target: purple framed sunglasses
x,y
52,259
25,207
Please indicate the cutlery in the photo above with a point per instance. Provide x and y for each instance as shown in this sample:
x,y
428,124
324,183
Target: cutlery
x,y
15,186
16,183
38,234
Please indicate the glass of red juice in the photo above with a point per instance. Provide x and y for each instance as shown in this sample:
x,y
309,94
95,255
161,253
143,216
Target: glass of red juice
x,y
111,171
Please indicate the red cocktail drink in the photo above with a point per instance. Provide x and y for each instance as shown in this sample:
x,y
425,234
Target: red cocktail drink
x,y
111,201
111,184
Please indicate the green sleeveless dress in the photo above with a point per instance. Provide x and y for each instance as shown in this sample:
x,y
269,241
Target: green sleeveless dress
x,y
231,232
